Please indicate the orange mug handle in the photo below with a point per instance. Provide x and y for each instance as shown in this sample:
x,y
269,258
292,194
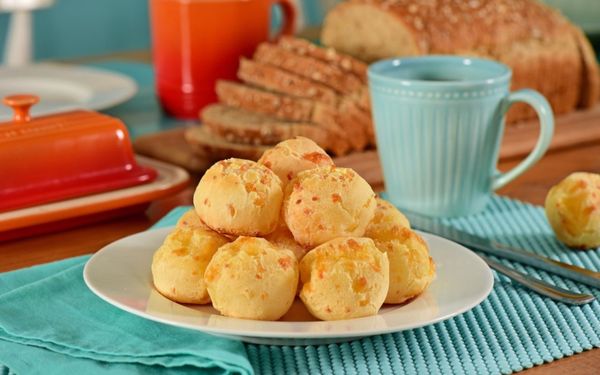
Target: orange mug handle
x,y
289,17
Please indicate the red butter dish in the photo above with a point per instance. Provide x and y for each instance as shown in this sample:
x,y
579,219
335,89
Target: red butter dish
x,y
63,156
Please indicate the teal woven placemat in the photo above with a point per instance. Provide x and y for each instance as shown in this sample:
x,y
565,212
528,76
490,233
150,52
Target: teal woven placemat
x,y
511,330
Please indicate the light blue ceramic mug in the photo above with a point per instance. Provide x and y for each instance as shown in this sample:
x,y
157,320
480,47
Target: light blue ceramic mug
x,y
439,122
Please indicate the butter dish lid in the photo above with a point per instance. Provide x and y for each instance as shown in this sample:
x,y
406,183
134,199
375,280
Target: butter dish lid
x,y
62,156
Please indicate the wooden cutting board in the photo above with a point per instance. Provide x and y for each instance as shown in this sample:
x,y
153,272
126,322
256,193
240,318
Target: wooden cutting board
x,y
573,129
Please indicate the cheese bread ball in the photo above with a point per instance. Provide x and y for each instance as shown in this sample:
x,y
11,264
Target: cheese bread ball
x,y
282,237
386,219
411,267
573,210
239,198
328,202
292,156
344,278
178,265
252,279
190,219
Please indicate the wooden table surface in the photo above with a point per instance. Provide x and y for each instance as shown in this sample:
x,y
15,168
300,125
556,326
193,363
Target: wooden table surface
x,y
531,187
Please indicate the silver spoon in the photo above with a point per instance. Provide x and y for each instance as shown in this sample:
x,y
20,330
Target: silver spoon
x,y
539,286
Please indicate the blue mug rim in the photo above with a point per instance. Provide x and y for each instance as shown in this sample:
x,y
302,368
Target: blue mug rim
x,y
374,71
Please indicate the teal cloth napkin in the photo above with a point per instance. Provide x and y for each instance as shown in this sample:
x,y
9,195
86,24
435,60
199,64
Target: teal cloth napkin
x,y
51,323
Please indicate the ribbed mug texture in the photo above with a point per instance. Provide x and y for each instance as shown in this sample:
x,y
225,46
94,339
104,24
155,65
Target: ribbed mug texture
x,y
438,141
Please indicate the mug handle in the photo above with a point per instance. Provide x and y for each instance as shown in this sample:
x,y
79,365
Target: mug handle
x,y
289,18
544,112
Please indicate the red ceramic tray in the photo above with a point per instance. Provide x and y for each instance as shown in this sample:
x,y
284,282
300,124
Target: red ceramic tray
x,y
91,208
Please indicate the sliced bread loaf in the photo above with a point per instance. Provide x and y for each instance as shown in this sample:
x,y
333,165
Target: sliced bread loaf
x,y
208,145
344,62
345,135
351,112
255,99
279,80
238,125
308,67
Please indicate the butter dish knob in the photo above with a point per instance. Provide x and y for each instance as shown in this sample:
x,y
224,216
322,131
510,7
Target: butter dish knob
x,y
21,103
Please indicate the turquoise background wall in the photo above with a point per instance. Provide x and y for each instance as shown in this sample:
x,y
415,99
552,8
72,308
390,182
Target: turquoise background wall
x,y
73,28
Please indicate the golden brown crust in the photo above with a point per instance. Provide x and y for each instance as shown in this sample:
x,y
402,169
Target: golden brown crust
x,y
208,145
275,79
286,108
250,98
252,279
533,39
573,210
447,26
290,157
178,265
330,55
347,128
344,278
327,202
238,125
354,117
308,67
240,198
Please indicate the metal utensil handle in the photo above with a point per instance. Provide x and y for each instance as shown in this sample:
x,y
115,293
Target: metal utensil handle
x,y
539,286
570,271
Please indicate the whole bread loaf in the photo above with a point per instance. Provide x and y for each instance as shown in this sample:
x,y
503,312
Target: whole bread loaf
x,y
544,50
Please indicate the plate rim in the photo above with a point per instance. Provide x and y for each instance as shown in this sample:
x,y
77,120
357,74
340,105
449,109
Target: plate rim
x,y
273,334
128,90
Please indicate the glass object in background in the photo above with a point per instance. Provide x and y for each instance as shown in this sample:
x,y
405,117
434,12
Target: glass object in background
x,y
196,42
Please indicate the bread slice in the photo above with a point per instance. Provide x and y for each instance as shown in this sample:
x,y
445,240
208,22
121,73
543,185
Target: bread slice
x,y
255,99
238,125
308,67
329,55
276,79
206,144
351,113
351,127
362,98
343,136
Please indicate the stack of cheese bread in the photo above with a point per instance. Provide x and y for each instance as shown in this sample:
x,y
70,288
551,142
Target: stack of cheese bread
x,y
291,88
545,51
291,224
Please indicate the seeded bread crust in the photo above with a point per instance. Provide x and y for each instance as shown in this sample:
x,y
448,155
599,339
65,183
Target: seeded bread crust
x,y
352,129
276,79
544,50
329,55
255,99
308,67
351,113
206,144
238,125
346,134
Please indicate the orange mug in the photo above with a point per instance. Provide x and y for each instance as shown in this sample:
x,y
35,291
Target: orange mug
x,y
196,42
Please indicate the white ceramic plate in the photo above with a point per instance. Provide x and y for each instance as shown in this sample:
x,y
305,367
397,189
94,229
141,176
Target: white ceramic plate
x,y
120,274
64,87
